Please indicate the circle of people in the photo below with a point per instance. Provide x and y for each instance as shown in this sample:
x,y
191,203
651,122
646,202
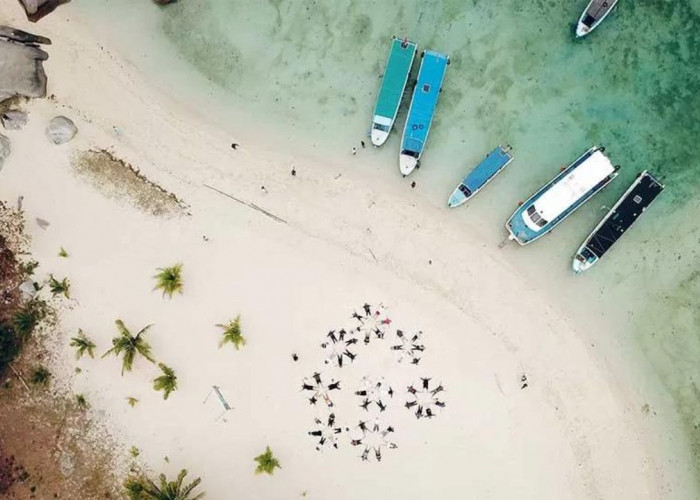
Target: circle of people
x,y
371,435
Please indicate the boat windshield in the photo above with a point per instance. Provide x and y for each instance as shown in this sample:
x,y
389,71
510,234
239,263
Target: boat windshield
x,y
379,126
535,217
589,20
465,190
406,152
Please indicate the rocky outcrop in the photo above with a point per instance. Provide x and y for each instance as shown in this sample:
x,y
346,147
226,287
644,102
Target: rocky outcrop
x,y
61,130
36,9
13,119
21,64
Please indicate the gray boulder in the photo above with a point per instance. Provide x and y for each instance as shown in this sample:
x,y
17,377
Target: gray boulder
x,y
36,9
21,64
13,119
61,130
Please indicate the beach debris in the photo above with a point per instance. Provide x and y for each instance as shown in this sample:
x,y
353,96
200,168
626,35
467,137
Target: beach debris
x,y
424,401
373,438
319,389
36,9
13,119
61,130
28,290
43,224
338,347
5,149
327,432
251,205
409,347
222,401
21,60
373,321
374,392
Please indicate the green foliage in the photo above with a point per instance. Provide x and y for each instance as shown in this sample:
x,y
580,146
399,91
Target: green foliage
x,y
63,253
169,280
132,401
40,376
166,382
26,319
130,345
82,345
81,401
9,345
29,267
143,488
134,451
232,333
267,463
59,287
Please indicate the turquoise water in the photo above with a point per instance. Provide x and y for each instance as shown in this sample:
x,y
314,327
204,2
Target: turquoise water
x,y
517,76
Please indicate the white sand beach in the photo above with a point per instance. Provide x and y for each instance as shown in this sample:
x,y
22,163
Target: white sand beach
x,y
341,238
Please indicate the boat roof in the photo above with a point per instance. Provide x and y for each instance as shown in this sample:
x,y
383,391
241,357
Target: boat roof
x,y
395,77
574,185
625,213
489,167
425,97
596,10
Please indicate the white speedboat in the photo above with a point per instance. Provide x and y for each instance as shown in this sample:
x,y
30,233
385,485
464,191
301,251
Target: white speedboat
x,y
594,14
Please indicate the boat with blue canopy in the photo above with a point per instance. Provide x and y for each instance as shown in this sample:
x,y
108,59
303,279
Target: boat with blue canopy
x,y
490,167
422,110
561,196
398,67
631,205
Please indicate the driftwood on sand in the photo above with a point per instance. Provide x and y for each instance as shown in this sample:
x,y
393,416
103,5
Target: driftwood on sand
x,y
21,64
36,9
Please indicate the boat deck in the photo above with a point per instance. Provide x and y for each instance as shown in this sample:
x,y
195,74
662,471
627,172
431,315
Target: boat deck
x,y
489,167
395,77
425,98
626,213
597,9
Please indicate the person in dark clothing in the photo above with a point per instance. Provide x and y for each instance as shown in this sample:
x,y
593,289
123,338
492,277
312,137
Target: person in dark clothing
x,y
317,377
440,404
294,172
426,382
295,357
234,145
307,387
412,389
363,144
365,404
367,309
331,335
334,385
381,405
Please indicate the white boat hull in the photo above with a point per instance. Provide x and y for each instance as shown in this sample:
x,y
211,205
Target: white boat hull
x,y
379,137
582,29
407,164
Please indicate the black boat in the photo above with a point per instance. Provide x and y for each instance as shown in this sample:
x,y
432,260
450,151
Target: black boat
x,y
618,220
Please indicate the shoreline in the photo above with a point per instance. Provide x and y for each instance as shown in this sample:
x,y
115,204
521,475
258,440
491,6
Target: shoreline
x,y
355,204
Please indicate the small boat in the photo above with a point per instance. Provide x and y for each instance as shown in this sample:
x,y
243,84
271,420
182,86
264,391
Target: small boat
x,y
420,114
561,196
398,67
490,167
594,14
618,220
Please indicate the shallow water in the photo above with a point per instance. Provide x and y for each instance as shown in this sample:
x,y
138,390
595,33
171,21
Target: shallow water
x,y
517,76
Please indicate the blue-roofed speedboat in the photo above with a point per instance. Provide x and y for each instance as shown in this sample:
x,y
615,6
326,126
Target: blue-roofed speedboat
x,y
561,196
420,114
490,167
618,220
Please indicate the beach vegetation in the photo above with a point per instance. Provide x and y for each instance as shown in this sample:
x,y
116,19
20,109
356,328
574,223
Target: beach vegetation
x,y
132,401
167,382
82,345
139,487
81,401
134,451
40,376
63,253
169,280
267,463
28,268
130,345
59,287
9,345
232,333
26,318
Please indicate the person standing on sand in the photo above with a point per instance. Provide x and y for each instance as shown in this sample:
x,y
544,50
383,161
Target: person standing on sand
x,y
234,145
354,150
363,144
294,172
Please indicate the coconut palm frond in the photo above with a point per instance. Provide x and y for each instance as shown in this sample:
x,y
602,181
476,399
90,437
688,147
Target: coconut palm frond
x,y
40,376
232,333
167,382
130,346
166,490
169,280
59,287
82,345
267,463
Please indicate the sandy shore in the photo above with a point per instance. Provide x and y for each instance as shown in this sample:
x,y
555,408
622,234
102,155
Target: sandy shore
x,y
340,239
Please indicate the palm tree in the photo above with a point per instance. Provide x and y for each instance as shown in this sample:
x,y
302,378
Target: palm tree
x,y
26,319
81,401
166,382
40,376
59,287
132,401
267,462
232,333
130,345
142,488
63,253
169,280
82,345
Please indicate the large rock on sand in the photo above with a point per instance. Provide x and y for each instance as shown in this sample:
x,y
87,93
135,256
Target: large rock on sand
x,y
21,64
36,9
13,119
61,130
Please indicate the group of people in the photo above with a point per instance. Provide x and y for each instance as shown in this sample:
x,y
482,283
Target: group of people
x,y
424,400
